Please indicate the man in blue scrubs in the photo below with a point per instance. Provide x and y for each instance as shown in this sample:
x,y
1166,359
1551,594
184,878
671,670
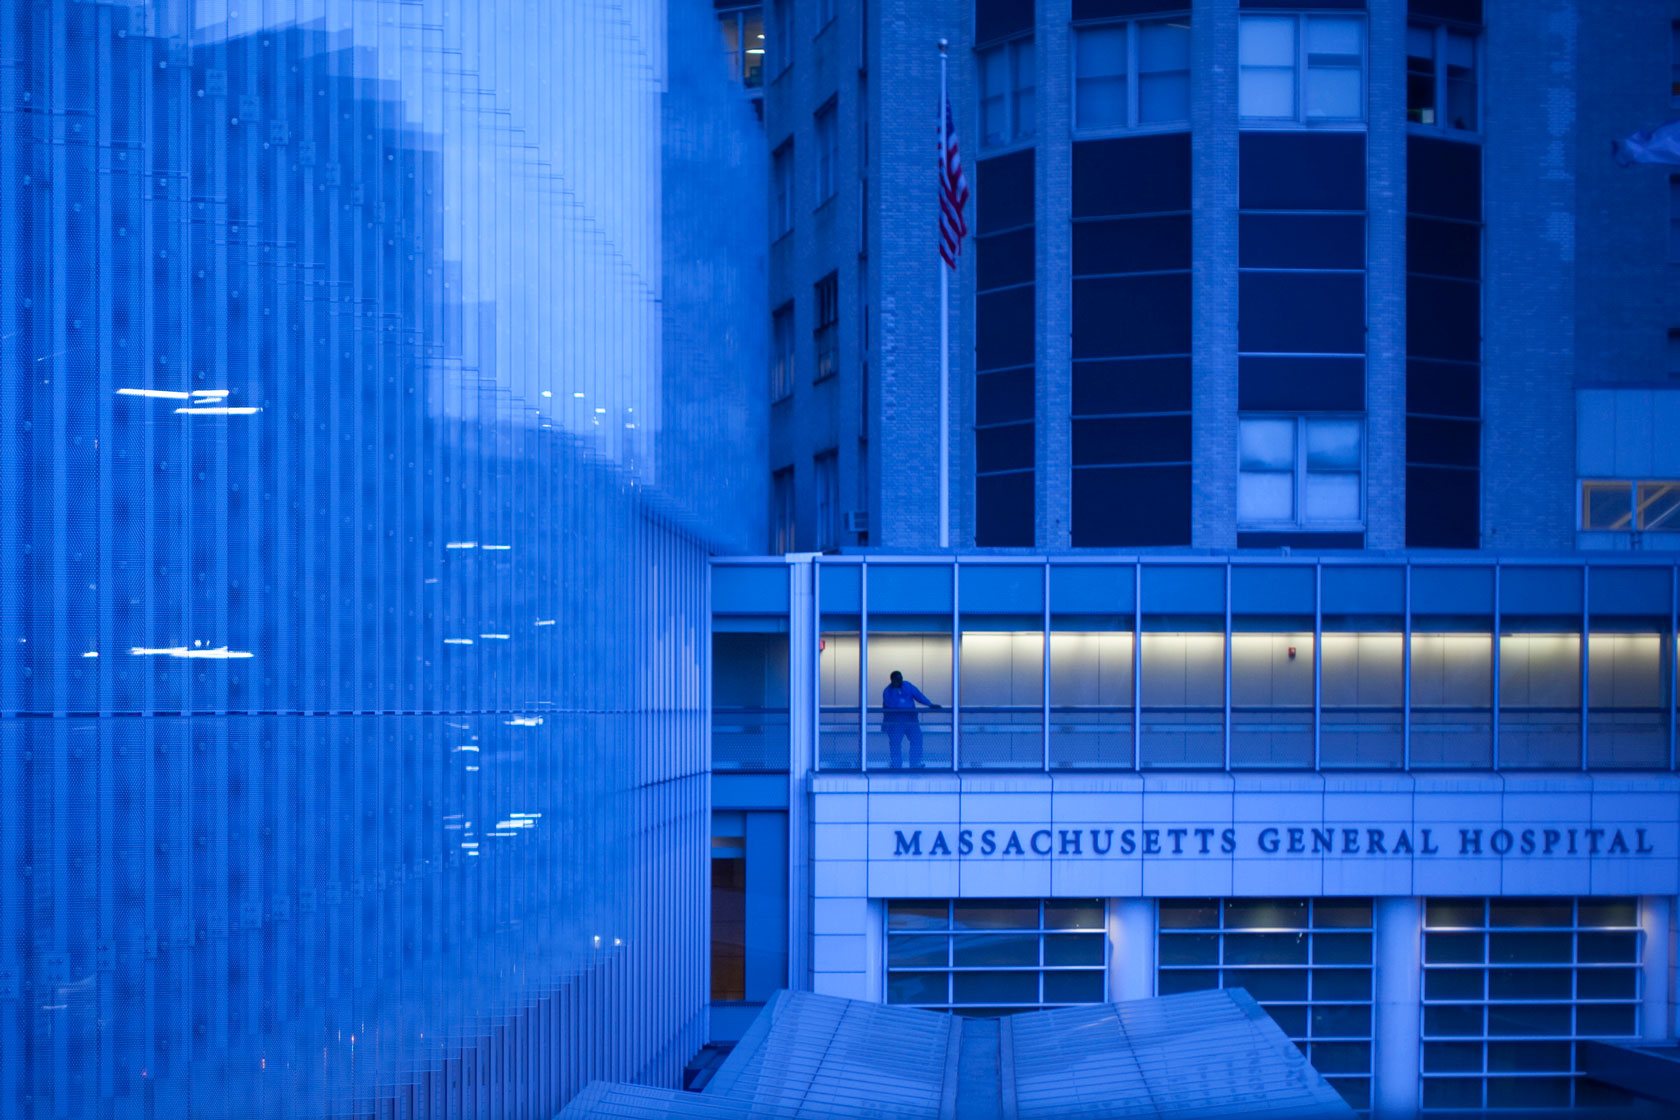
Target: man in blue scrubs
x,y
898,719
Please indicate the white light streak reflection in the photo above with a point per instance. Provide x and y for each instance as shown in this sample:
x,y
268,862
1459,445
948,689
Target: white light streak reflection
x,y
525,721
545,622
457,641
461,544
495,637
217,410
166,394
220,653
495,547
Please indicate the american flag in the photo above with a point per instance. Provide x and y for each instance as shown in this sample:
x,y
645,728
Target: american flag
x,y
953,194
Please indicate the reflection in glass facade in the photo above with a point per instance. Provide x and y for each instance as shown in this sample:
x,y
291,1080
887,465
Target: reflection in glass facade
x,y
352,617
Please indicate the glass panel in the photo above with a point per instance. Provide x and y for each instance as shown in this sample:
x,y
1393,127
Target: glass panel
x,y
994,987
1362,689
1452,699
1530,948
1342,913
1025,97
1291,1020
1083,986
1452,948
1607,505
1530,912
998,949
1337,1021
1452,1092
729,928
1608,948
753,72
1334,444
1190,948
1519,1019
918,914
1452,913
1163,72
1074,948
1266,444
1183,677
1602,913
1266,948
1341,948
1272,699
1090,699
1189,913
1356,1091
917,987
1100,76
749,701
1341,984
917,950
1265,496
1191,980
1073,913
1452,1019
1266,984
1453,983
983,913
1526,1057
904,730
1420,75
1266,913
838,668
1659,506
1452,1057
1002,709
1607,1019
1332,497
1626,685
1540,700
1335,68
1530,983
1607,983
1528,1092
994,89
1463,110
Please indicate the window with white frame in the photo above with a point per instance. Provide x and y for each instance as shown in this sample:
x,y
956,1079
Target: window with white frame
x,y
1008,92
827,332
781,352
827,472
1132,75
1298,472
1301,69
1625,505
828,151
781,190
988,957
1441,85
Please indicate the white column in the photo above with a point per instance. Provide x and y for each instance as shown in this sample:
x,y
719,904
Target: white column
x,y
1131,940
1657,1010
1398,924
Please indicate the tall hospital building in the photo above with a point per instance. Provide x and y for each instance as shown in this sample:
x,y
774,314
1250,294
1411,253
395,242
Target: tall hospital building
x,y
1308,623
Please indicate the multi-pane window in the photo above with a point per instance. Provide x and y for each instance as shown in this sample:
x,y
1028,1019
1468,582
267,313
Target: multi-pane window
x,y
1300,471
1295,69
1306,961
1008,92
1624,505
781,352
1132,75
828,151
826,470
827,332
1509,987
1441,77
781,511
743,38
983,957
781,35
781,191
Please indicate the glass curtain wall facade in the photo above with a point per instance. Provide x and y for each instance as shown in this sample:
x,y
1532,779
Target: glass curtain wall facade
x,y
1175,664
352,698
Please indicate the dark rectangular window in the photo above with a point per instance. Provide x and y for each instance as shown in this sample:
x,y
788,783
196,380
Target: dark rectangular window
x,y
1316,241
828,151
827,332
1124,440
1106,181
1003,398
1122,507
1003,510
1003,328
1302,170
781,352
1003,192
781,511
1301,312
1117,245
1118,316
998,19
1004,260
1138,385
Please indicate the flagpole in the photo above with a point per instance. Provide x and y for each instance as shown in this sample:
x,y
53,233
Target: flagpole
x,y
944,343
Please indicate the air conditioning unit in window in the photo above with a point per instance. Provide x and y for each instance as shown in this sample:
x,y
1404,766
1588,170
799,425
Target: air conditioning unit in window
x,y
857,521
